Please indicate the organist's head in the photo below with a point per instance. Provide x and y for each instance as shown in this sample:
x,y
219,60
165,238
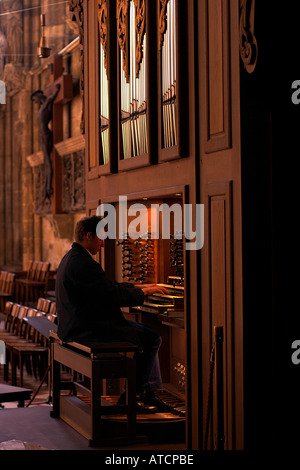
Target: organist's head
x,y
86,234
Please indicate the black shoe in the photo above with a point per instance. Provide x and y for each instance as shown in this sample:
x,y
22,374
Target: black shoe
x,y
152,399
140,406
122,399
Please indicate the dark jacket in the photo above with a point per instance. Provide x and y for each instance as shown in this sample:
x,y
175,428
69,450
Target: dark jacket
x,y
88,304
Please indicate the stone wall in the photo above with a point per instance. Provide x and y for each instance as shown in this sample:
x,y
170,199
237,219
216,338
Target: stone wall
x,y
26,233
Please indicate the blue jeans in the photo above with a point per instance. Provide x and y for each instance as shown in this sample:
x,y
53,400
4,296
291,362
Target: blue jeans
x,y
148,374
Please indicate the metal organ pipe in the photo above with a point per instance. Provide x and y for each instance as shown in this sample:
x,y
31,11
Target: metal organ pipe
x,y
169,77
133,97
104,111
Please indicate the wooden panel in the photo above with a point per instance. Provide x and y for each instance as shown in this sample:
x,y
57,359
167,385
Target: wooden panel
x,y
77,414
75,361
217,76
220,191
218,259
215,64
219,203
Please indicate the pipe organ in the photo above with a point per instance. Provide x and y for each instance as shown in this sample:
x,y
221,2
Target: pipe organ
x,y
146,91
162,87
104,109
133,113
103,79
168,71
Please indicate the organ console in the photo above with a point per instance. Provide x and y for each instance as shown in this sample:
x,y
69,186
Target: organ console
x,y
147,260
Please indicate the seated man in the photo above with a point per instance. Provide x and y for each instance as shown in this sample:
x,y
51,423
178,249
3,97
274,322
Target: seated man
x,y
88,308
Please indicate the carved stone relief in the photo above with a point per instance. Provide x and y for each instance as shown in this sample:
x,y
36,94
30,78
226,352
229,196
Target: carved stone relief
x,y
13,29
72,152
14,78
41,205
73,182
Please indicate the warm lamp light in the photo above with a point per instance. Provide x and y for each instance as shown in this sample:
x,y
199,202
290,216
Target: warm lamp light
x,y
43,50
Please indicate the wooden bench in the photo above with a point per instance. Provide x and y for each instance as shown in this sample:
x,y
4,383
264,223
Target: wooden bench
x,y
9,394
95,361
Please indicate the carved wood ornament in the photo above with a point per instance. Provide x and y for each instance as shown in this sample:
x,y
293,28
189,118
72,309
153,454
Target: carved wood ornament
x,y
76,6
248,43
140,30
102,21
123,33
162,26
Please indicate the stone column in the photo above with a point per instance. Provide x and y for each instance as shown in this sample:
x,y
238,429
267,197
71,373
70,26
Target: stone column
x,y
2,185
27,177
7,172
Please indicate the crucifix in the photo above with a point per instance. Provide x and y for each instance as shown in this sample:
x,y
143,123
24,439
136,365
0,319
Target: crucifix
x,y
51,101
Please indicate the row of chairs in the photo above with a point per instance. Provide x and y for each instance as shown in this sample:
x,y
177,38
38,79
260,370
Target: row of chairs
x,y
6,288
46,306
23,344
29,288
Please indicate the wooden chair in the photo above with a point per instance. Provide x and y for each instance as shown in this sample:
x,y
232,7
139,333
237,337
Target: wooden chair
x,y
17,333
43,305
2,273
34,354
7,319
52,309
11,324
35,284
6,288
13,334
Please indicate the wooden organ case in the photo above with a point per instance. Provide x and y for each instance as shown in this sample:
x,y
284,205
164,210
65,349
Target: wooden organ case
x,y
161,123
132,122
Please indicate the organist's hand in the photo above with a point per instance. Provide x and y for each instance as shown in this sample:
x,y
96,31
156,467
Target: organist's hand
x,y
150,289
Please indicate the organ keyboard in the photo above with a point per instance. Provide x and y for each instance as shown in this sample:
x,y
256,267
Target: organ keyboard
x,y
164,304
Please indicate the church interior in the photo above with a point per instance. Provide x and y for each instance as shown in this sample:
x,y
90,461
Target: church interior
x,y
178,104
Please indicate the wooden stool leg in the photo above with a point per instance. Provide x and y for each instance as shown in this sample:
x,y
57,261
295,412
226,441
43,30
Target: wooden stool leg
x,y
13,369
26,294
96,402
55,380
131,397
21,369
6,366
